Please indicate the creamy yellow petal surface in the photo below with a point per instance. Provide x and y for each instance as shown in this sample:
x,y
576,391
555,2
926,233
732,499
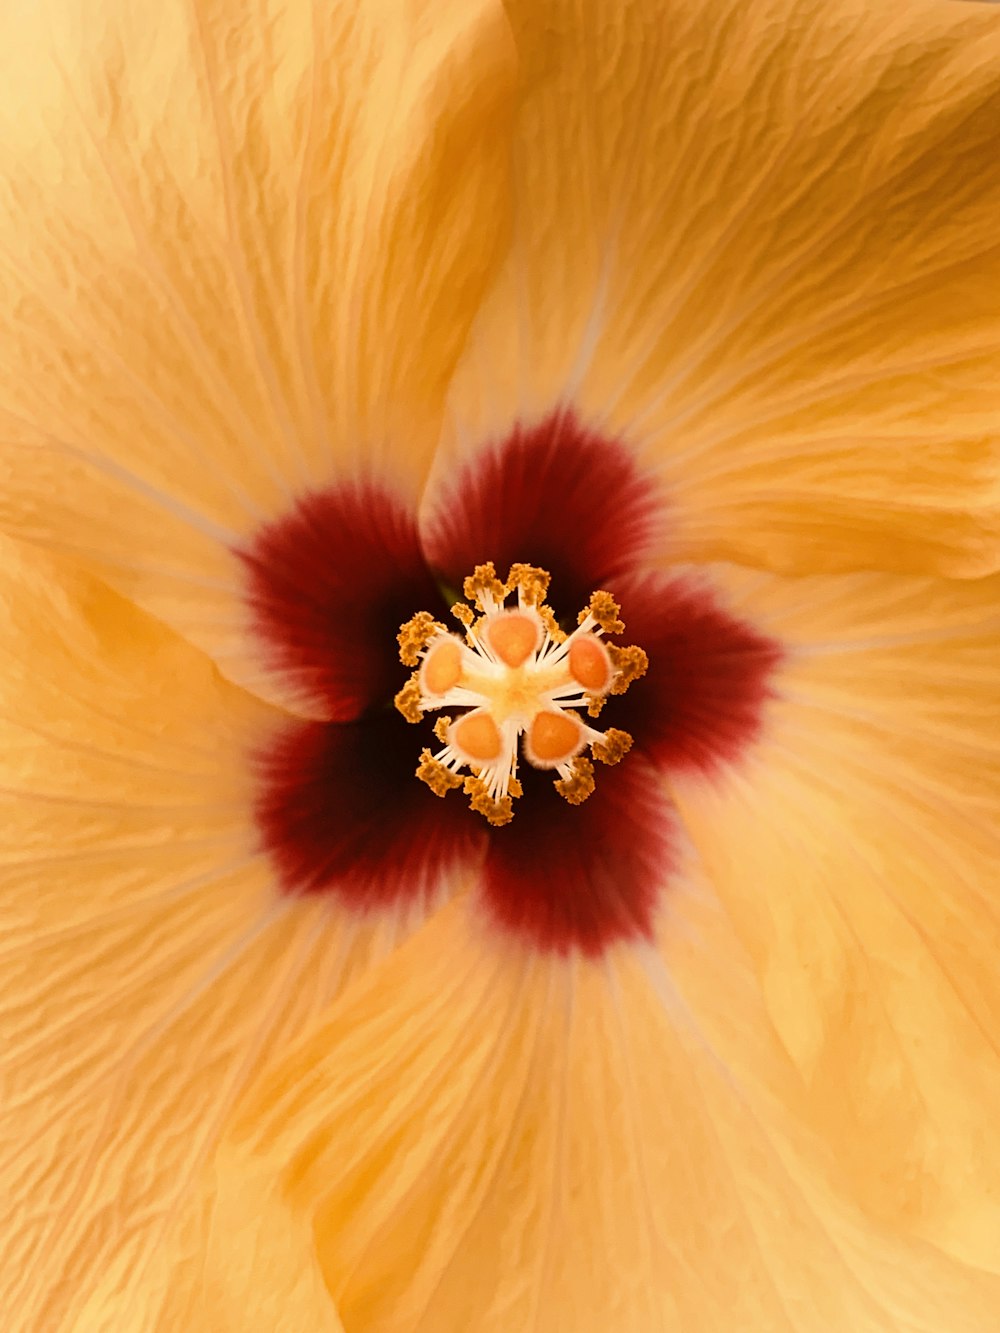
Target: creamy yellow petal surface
x,y
147,968
241,245
759,241
859,856
478,1141
243,250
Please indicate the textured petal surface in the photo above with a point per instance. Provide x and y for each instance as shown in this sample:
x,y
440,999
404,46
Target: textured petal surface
x,y
240,250
148,967
479,1141
859,854
757,243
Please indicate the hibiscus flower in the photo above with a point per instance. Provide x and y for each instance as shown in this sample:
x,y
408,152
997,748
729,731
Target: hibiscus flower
x,y
689,315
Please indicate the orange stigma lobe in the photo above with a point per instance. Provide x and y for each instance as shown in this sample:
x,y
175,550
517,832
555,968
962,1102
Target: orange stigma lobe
x,y
554,738
477,735
442,667
590,664
514,636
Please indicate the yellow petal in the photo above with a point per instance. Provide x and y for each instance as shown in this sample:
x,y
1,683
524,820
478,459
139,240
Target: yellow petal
x,y
200,1283
757,241
479,1141
858,856
236,262
147,967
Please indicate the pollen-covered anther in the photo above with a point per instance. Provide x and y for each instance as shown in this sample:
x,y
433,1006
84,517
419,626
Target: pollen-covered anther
x,y
579,784
415,635
496,811
604,611
517,682
612,747
408,700
552,627
483,588
532,584
440,779
629,663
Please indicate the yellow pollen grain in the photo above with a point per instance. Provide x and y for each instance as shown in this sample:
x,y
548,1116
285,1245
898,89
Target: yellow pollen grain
x,y
577,788
554,736
484,579
431,771
442,667
407,700
415,635
463,613
441,729
604,609
496,813
556,633
478,735
514,787
595,703
532,581
630,663
614,747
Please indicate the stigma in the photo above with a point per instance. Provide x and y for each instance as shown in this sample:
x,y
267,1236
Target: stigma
x,y
517,686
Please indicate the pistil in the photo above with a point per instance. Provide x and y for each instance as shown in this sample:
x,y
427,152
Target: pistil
x,y
520,682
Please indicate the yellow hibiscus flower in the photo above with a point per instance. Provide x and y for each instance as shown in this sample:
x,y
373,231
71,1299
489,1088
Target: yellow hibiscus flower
x,y
309,312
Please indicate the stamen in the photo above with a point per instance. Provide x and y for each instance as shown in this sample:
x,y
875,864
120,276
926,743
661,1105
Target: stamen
x,y
629,664
438,778
409,698
614,746
483,588
580,783
532,584
496,812
516,675
415,635
603,610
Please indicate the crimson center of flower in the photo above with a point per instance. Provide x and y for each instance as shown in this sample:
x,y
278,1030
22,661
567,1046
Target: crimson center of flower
x,y
520,681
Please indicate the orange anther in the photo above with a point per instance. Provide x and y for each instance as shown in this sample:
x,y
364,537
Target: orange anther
x,y
513,636
442,667
590,663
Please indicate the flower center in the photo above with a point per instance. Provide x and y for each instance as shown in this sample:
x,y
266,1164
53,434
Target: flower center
x,y
521,682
